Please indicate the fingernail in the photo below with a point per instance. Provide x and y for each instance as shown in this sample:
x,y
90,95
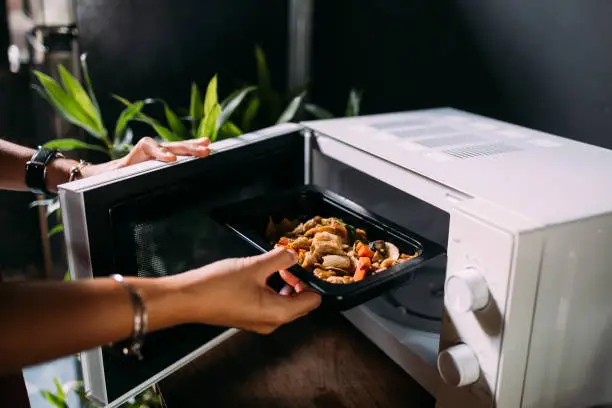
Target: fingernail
x,y
299,287
292,253
201,148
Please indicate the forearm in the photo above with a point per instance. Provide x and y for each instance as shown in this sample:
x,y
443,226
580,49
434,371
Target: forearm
x,y
45,320
13,159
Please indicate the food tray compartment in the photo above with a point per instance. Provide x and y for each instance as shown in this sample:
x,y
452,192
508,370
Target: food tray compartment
x,y
249,219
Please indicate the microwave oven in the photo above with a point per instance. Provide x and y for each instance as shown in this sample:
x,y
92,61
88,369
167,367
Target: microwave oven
x,y
516,313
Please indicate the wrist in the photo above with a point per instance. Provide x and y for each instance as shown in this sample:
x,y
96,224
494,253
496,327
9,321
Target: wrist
x,y
58,172
164,300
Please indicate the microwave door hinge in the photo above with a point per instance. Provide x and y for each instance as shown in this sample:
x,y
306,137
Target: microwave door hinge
x,y
308,146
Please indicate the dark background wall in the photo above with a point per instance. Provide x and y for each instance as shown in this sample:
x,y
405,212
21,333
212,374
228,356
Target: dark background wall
x,y
156,48
545,64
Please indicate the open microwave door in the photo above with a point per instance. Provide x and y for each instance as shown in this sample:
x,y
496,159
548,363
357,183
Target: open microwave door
x,y
153,220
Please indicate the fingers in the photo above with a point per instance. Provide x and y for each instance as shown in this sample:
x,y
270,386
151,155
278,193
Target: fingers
x,y
147,149
194,147
273,261
293,281
289,308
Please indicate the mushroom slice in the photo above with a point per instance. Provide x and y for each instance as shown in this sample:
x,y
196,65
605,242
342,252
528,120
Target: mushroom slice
x,y
392,251
336,261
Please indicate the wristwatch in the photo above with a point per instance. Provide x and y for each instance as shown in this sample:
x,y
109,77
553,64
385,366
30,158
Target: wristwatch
x,y
36,170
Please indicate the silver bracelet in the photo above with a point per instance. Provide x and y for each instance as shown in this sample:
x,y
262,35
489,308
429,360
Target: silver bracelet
x,y
141,319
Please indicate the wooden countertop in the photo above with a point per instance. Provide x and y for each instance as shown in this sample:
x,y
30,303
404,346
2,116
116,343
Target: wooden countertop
x,y
320,361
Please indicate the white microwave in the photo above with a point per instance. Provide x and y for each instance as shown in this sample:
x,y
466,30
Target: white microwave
x,y
516,313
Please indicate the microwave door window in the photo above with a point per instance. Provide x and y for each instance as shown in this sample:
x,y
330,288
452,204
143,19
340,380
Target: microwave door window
x,y
158,224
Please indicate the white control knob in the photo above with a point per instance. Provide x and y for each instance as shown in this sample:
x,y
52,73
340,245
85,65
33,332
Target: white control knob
x,y
458,366
466,291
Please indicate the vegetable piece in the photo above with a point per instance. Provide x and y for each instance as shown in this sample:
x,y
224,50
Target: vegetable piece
x,y
392,251
283,241
363,266
336,261
364,251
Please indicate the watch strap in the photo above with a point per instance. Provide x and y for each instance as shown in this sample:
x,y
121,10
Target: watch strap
x,y
36,170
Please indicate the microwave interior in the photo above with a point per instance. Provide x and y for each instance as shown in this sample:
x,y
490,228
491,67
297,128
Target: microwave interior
x,y
157,224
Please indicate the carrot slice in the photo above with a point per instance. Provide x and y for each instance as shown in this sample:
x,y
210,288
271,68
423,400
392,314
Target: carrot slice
x,y
363,266
364,251
283,241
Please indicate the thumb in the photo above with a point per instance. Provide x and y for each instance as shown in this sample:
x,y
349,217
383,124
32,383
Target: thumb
x,y
298,305
273,261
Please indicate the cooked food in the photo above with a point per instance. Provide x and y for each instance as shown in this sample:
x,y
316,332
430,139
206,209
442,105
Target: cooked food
x,y
335,251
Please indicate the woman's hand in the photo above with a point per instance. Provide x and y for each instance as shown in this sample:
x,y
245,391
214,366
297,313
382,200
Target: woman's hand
x,y
149,149
234,293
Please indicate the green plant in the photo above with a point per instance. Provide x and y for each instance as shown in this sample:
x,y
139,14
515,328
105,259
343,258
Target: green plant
x,y
258,106
58,398
207,117
80,107
267,106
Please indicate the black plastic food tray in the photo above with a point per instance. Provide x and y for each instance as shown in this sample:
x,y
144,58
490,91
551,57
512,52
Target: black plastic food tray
x,y
249,218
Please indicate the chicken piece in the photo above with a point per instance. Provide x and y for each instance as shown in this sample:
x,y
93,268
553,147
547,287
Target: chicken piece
x,y
387,263
324,274
325,243
360,235
309,261
340,279
311,223
333,227
301,243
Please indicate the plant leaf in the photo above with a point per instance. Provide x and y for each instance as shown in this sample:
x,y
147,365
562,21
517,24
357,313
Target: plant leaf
x,y
250,114
210,123
299,89
228,131
53,207
126,116
128,137
263,73
66,105
38,203
87,78
58,228
55,400
291,109
318,112
175,122
196,106
162,131
76,91
67,276
211,98
58,387
230,104
71,144
354,103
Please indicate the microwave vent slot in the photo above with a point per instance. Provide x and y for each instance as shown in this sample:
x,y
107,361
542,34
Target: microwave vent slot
x,y
423,131
404,123
467,152
451,140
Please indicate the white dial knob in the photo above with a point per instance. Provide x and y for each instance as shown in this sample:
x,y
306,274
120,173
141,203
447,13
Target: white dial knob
x,y
458,366
466,291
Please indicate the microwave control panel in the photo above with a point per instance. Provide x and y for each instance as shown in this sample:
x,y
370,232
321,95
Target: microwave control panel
x,y
476,286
